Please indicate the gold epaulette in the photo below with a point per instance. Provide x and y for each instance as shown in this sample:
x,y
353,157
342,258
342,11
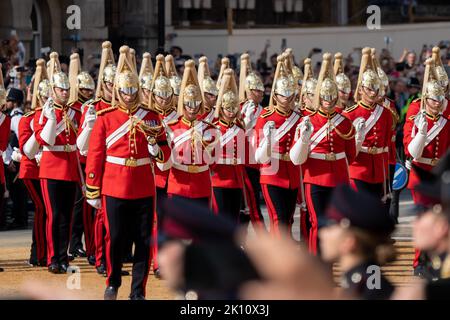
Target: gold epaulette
x,y
267,113
350,109
209,123
32,112
412,117
106,110
416,100
173,121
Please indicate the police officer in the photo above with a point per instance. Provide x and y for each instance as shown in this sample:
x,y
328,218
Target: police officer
x,y
357,236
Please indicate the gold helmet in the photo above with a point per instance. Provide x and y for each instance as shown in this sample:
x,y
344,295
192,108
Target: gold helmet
x,y
190,93
295,74
441,74
342,81
58,79
225,64
248,79
107,70
78,79
41,85
309,83
326,88
161,84
228,95
175,80
126,80
207,84
367,77
282,85
2,89
146,72
432,88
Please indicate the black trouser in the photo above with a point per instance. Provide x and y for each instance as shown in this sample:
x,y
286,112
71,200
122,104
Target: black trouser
x,y
161,197
19,197
228,202
376,189
2,205
199,201
280,205
317,199
254,176
137,216
77,222
59,198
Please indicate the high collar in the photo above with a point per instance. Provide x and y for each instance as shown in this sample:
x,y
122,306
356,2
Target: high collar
x,y
327,115
433,118
58,106
283,113
105,101
128,110
187,122
226,123
367,106
81,99
161,111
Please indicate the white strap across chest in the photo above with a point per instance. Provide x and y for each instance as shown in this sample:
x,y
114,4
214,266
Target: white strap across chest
x,y
61,125
172,116
435,130
123,129
185,136
210,116
229,135
286,126
322,132
2,118
372,120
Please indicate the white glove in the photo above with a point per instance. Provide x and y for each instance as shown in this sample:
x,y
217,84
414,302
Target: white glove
x,y
48,110
38,158
153,149
250,110
306,129
360,124
267,129
207,136
89,119
16,155
422,124
96,203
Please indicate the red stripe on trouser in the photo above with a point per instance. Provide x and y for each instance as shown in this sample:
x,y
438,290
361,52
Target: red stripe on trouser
x,y
215,207
88,224
274,223
39,219
417,253
49,222
313,231
107,241
353,185
99,237
251,203
154,244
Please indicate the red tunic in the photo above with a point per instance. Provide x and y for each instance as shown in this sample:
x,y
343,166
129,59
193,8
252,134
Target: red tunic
x,y
122,167
414,108
434,150
390,105
5,129
59,165
28,168
189,175
250,138
371,166
229,157
324,172
282,172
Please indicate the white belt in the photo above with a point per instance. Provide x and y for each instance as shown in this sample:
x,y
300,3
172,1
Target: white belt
x,y
129,162
327,156
373,150
190,168
61,148
281,156
429,161
229,161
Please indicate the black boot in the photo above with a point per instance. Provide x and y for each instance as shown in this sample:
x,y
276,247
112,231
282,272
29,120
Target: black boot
x,y
111,293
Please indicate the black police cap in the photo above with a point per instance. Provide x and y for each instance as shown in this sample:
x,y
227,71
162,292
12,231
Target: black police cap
x,y
14,95
359,209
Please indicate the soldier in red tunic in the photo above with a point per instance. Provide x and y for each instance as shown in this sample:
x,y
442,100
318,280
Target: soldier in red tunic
x,y
227,177
82,90
251,93
175,80
55,128
280,178
103,97
427,134
373,124
125,140
29,169
324,145
192,141
309,84
343,83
